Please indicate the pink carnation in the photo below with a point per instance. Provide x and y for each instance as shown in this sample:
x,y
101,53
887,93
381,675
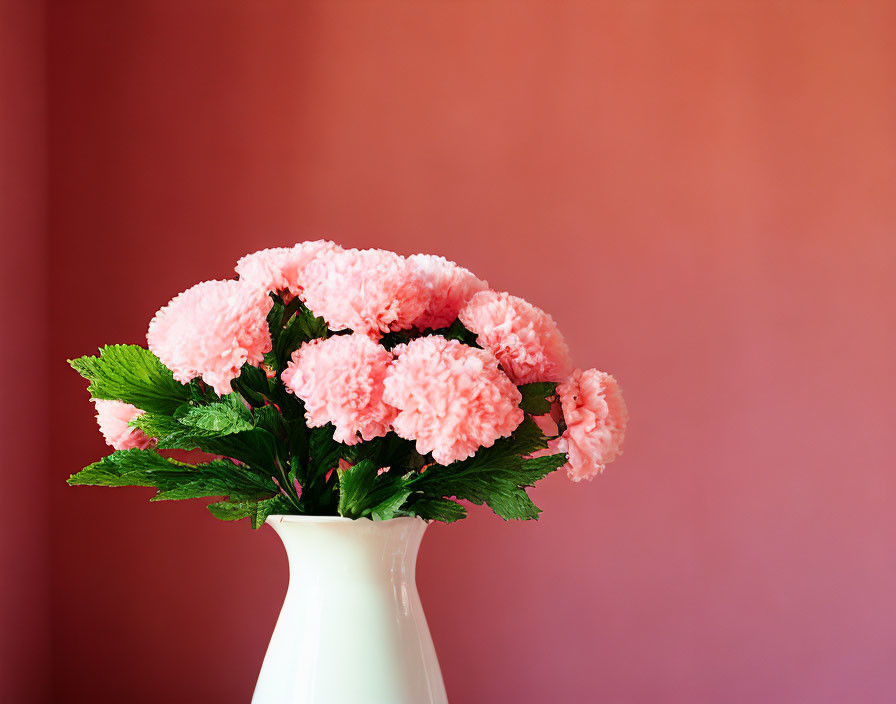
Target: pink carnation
x,y
452,399
280,269
211,330
524,338
596,417
340,379
449,287
113,418
370,291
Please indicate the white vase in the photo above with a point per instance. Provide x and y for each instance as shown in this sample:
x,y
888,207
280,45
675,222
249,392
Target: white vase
x,y
352,629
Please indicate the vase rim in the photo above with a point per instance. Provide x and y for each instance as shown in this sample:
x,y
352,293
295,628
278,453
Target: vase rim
x,y
293,518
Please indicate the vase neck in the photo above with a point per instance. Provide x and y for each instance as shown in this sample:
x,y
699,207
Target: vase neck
x,y
349,549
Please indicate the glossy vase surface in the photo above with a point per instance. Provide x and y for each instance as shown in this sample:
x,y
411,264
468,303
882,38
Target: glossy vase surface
x,y
352,628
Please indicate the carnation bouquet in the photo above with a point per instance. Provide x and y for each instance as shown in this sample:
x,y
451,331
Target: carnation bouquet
x,y
325,381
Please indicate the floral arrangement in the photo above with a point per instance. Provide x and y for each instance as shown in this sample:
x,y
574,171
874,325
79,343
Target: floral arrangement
x,y
359,383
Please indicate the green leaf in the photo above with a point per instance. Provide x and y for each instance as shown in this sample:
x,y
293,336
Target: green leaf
x,y
228,416
252,384
457,331
171,434
437,509
312,326
386,451
365,490
496,475
354,485
270,419
257,448
512,503
324,452
290,326
387,508
200,392
501,461
535,397
537,468
173,479
526,439
394,338
134,375
256,510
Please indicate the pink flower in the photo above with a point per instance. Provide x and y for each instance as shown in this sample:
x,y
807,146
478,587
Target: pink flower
x,y
596,417
340,379
113,418
452,399
449,287
211,330
370,291
280,269
524,338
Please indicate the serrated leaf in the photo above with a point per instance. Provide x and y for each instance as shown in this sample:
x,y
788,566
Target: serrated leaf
x,y
228,416
253,385
437,509
173,479
386,451
256,510
535,469
132,374
506,453
495,475
200,392
270,419
257,448
457,331
290,326
476,476
354,485
312,326
512,503
386,509
536,397
324,452
171,434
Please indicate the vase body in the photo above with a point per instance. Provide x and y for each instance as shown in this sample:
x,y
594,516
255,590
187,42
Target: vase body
x,y
352,628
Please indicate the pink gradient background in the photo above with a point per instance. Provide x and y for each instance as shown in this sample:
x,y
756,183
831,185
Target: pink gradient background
x,y
703,194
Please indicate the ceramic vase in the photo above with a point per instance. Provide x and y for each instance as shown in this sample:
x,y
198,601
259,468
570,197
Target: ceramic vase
x,y
352,629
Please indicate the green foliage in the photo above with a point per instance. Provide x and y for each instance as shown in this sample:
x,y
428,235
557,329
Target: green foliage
x,y
312,326
134,375
387,451
366,491
436,509
228,416
173,479
323,451
256,447
536,397
457,331
270,462
253,385
171,434
256,510
392,339
291,325
388,507
496,475
354,486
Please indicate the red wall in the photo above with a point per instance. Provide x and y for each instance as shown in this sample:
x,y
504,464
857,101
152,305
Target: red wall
x,y
24,421
701,193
